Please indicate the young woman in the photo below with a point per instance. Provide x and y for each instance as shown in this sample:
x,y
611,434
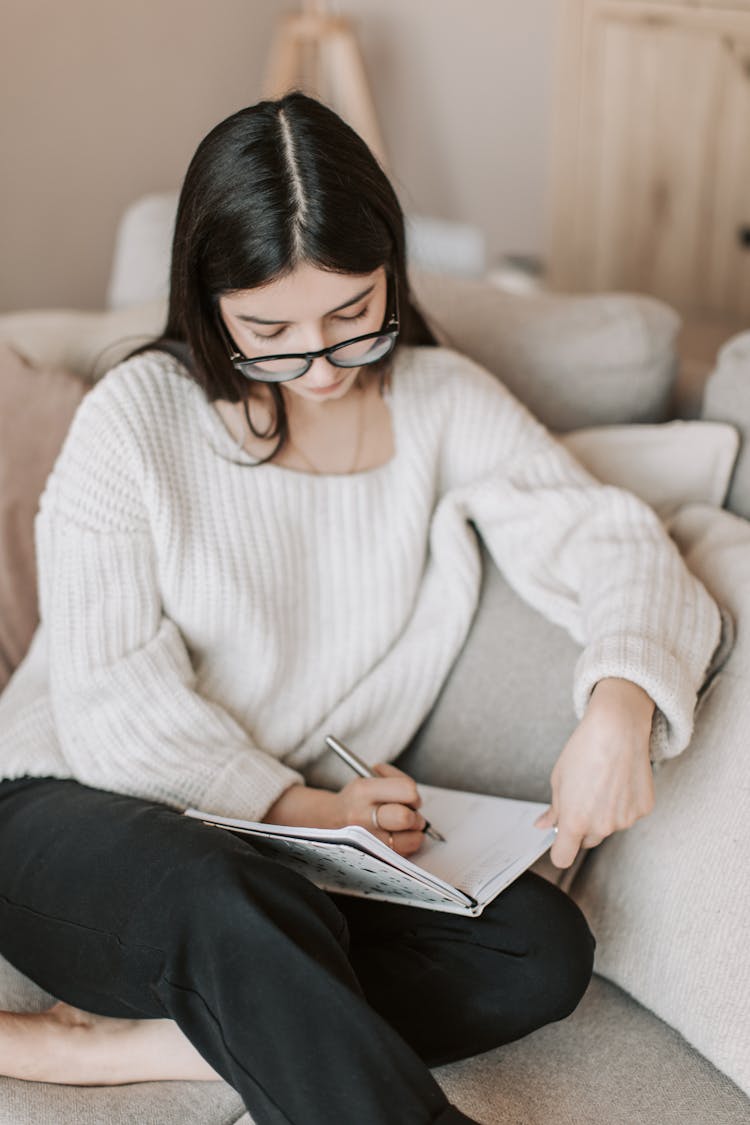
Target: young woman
x,y
257,533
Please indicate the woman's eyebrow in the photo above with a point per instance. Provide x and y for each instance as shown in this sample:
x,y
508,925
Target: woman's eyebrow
x,y
346,305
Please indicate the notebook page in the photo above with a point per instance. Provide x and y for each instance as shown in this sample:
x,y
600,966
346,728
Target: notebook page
x,y
485,836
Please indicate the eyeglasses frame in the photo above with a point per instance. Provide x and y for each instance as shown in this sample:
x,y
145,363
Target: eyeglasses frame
x,y
238,360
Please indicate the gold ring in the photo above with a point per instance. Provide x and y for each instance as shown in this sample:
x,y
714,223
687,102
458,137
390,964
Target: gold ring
x,y
390,839
374,817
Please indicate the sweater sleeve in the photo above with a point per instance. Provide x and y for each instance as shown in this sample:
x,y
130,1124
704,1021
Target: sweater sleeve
x,y
122,688
592,558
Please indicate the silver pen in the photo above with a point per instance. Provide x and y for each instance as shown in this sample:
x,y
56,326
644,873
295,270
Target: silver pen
x,y
364,770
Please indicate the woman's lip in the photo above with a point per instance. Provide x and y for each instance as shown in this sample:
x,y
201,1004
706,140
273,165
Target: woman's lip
x,y
324,390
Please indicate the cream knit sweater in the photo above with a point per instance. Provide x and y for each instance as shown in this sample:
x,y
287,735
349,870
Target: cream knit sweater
x,y
204,624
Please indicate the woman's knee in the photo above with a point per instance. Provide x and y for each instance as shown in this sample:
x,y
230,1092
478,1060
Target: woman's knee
x,y
563,951
545,930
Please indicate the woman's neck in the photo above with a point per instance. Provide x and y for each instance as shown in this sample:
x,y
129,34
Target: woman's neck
x,y
343,436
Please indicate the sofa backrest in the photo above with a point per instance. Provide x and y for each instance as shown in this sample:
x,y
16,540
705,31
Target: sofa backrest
x,y
574,361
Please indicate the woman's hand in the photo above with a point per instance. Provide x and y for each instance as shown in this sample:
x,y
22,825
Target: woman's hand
x,y
602,781
393,794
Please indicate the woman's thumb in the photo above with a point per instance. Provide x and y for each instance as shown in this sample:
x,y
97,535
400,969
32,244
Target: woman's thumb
x,y
546,819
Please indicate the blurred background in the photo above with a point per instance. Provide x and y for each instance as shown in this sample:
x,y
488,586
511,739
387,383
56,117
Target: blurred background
x,y
576,145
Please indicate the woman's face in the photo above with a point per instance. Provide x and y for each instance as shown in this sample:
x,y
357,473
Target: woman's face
x,y
305,311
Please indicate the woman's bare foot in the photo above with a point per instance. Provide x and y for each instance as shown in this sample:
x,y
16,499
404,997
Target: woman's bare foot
x,y
67,1045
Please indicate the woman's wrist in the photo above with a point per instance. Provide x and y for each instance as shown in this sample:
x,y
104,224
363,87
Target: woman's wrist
x,y
624,698
305,807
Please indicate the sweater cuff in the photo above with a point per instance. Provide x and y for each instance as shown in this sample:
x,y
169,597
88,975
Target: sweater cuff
x,y
651,667
248,786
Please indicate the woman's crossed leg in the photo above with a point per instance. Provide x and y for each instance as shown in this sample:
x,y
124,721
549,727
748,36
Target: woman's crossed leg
x,y
127,910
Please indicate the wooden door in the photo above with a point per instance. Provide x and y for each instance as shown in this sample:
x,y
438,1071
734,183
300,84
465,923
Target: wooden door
x,y
652,189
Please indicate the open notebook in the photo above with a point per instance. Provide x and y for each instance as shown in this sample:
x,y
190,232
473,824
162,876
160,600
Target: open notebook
x,y
489,842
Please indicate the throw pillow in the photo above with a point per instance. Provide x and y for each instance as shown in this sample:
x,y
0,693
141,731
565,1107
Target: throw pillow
x,y
36,408
668,466
669,899
727,399
575,361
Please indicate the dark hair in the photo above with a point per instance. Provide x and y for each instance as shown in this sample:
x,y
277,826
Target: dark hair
x,y
276,184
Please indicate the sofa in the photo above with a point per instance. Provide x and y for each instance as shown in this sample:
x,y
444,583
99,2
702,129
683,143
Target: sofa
x,y
662,1036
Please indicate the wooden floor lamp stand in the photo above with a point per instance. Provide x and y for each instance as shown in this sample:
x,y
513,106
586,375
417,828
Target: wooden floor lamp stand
x,y
318,53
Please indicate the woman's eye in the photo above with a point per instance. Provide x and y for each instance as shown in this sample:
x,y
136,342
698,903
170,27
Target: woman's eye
x,y
356,316
269,336
263,338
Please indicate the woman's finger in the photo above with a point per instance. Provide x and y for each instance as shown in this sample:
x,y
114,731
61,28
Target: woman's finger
x,y
406,843
399,789
385,769
565,847
399,818
547,819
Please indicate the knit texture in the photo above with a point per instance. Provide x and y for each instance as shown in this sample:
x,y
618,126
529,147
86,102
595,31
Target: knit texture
x,y
204,624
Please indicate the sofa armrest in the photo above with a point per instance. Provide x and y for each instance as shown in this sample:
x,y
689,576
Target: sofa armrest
x,y
668,900
87,343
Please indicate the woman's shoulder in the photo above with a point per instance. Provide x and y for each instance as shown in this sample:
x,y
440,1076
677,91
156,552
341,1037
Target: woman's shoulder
x,y
142,380
113,441
441,373
132,406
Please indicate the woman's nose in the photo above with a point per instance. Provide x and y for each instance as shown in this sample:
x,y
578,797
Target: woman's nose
x,y
315,339
321,373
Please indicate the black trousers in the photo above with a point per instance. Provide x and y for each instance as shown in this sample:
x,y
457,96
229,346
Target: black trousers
x,y
316,1008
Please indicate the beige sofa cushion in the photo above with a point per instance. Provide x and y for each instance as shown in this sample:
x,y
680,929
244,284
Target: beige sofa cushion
x,y
610,1063
683,871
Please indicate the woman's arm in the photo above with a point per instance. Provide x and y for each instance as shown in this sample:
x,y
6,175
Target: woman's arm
x,y
122,686
592,558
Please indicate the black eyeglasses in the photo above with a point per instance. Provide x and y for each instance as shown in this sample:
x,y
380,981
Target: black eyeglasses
x,y
357,352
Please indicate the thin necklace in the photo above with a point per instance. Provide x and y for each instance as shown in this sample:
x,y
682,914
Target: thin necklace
x,y
360,431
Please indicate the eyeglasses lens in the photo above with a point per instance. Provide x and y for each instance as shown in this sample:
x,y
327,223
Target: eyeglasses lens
x,y
287,367
365,351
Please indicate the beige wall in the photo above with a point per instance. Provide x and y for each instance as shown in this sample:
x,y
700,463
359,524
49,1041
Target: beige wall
x,y
464,92
103,102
